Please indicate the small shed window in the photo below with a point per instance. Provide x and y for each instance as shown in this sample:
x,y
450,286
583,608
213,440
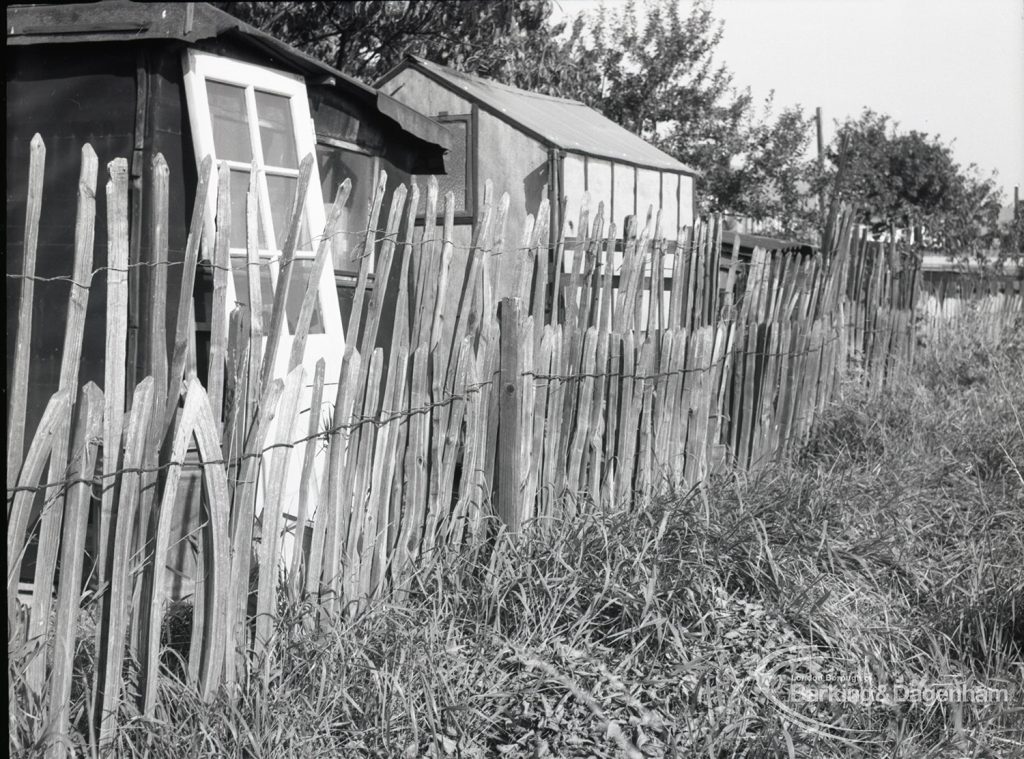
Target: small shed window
x,y
459,164
339,161
257,119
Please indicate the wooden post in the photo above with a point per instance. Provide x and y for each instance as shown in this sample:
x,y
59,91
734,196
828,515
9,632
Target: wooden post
x,y
19,384
509,464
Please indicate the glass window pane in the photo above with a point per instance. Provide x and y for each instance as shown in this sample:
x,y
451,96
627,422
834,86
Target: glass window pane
x,y
239,192
336,165
241,277
282,198
300,271
456,165
230,124
276,132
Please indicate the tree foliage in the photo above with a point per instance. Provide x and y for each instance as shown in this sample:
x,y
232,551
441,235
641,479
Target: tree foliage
x,y
662,82
910,180
513,42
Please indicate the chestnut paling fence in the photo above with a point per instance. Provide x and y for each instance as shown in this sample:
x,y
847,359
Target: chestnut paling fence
x,y
604,378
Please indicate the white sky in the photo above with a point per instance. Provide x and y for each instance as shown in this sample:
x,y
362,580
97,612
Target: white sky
x,y
953,68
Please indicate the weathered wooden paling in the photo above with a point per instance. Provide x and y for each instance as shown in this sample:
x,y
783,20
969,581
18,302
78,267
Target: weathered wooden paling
x,y
568,398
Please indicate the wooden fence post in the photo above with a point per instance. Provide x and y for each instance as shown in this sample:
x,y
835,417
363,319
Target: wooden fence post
x,y
509,443
19,383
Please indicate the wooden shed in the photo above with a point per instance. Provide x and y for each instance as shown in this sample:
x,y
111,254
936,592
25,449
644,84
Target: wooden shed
x,y
185,80
539,147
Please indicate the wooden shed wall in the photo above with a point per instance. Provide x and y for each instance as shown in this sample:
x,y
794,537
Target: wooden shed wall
x,y
513,161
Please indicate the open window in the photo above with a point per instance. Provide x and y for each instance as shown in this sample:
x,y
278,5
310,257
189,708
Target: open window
x,y
339,160
254,118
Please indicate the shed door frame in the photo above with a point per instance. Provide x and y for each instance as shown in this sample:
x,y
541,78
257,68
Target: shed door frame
x,y
201,68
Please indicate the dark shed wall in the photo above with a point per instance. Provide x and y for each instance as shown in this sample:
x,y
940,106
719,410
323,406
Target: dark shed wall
x,y
71,95
127,102
166,131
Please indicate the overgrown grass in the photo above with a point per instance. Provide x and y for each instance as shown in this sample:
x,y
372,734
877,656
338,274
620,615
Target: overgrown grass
x,y
891,549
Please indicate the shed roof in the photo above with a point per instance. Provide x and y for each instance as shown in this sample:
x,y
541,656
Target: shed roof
x,y
558,122
125,21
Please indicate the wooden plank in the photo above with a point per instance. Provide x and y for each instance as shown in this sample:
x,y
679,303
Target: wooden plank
x,y
656,288
277,328
542,365
195,414
626,434
416,460
244,502
553,424
598,413
114,621
427,269
466,516
374,558
481,243
707,337
87,429
612,415
328,530
74,330
215,571
589,285
266,595
527,410
116,349
252,273
308,477
608,274
236,390
442,506
311,294
645,448
43,442
219,305
676,413
510,390
577,263
438,333
540,280
188,277
581,434
357,472
156,365
391,434
23,341
663,405
526,262
387,252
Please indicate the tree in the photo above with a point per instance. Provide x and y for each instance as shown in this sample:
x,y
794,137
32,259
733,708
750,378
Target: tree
x,y
660,80
910,181
513,42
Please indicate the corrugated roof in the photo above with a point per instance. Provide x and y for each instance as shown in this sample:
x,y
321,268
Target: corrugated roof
x,y
559,122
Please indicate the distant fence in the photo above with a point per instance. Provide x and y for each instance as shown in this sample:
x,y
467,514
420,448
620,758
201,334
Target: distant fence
x,y
992,305
587,389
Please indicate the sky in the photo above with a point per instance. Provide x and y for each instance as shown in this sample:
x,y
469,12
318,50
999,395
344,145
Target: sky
x,y
953,68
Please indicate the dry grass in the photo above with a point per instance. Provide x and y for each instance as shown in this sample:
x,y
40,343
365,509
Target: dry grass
x,y
895,543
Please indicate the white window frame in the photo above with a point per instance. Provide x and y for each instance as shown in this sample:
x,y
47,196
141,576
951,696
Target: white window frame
x,y
200,67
